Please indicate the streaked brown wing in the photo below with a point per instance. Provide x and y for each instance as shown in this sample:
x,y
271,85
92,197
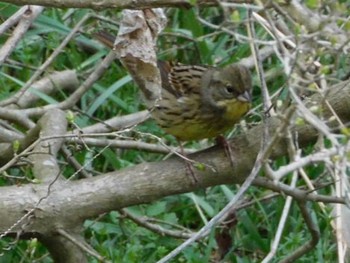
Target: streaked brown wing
x,y
181,79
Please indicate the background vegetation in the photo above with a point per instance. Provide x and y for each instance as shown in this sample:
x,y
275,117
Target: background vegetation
x,y
196,35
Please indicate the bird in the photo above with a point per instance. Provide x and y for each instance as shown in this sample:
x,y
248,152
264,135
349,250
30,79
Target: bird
x,y
198,101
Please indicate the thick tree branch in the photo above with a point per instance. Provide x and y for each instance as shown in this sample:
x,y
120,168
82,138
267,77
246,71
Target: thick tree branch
x,y
119,4
150,181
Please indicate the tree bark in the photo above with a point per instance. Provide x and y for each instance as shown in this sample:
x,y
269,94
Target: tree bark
x,y
66,204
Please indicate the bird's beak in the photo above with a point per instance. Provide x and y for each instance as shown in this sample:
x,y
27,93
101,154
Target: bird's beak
x,y
245,97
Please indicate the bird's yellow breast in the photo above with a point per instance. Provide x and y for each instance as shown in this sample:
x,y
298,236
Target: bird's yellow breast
x,y
208,125
235,110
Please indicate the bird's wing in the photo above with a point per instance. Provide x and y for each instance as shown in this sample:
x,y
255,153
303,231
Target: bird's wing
x,y
181,79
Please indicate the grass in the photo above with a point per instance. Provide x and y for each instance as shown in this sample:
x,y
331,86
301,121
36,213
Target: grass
x,y
188,41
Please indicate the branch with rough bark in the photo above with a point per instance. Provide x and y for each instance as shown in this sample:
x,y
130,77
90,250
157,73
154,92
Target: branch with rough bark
x,y
149,181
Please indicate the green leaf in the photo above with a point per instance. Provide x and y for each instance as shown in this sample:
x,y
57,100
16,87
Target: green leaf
x,y
156,209
107,94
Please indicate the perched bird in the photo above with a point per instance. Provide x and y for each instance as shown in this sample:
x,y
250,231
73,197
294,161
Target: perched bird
x,y
199,102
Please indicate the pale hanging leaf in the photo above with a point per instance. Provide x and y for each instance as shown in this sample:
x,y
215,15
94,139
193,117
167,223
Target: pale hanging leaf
x,y
136,48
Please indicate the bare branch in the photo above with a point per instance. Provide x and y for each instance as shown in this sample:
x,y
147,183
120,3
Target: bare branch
x,y
155,228
42,68
315,235
155,180
116,123
80,244
107,4
64,80
24,23
43,157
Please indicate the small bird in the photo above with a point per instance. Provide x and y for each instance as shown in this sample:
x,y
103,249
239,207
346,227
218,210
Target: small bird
x,y
198,102
201,102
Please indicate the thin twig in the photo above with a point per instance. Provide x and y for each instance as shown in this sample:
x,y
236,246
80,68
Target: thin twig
x,y
297,193
267,105
22,27
281,223
12,20
83,247
74,163
143,221
48,61
315,235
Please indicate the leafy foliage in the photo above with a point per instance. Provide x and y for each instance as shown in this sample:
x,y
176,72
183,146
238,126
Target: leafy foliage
x,y
187,40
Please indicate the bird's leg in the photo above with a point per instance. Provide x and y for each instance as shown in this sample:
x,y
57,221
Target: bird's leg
x,y
189,165
221,140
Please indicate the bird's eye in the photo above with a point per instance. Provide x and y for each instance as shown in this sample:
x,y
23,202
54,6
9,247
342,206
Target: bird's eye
x,y
229,89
